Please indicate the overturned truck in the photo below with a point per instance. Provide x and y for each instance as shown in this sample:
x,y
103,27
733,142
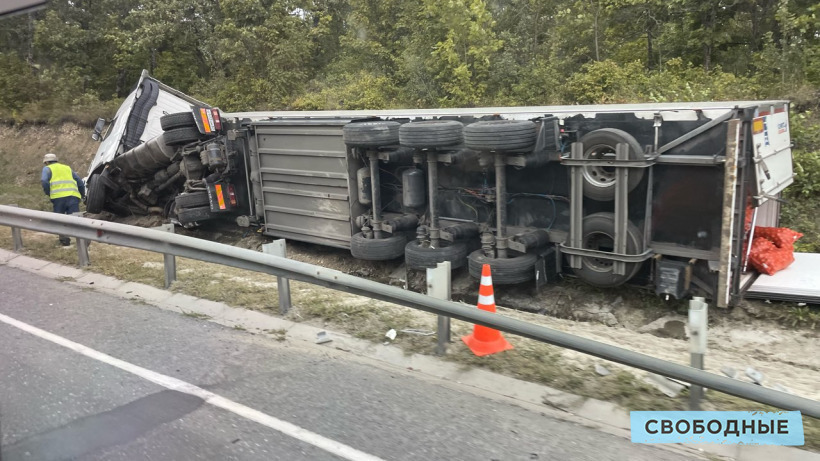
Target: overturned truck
x,y
658,195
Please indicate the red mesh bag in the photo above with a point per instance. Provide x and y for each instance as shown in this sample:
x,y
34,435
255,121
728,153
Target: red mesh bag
x,y
767,258
782,237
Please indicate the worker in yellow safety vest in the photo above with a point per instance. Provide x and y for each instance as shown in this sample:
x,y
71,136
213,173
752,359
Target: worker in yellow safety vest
x,y
63,187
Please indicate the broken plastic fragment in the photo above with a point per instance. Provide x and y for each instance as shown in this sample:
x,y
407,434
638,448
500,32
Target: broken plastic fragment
x,y
391,334
322,337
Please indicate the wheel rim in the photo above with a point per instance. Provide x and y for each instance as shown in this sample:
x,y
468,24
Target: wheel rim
x,y
599,241
600,176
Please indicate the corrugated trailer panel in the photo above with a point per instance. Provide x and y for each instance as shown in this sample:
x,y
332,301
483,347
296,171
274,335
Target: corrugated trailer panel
x,y
304,176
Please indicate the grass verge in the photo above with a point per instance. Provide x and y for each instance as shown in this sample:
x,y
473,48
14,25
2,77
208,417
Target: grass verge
x,y
370,319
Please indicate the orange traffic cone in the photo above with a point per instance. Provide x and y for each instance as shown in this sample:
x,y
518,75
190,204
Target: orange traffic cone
x,y
485,340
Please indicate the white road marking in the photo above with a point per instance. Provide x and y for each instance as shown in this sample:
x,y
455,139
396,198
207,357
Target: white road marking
x,y
289,429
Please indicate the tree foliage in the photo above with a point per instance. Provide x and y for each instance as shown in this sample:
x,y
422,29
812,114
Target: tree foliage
x,y
318,54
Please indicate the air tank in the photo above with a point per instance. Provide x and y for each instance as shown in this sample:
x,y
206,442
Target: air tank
x,y
215,158
412,182
363,186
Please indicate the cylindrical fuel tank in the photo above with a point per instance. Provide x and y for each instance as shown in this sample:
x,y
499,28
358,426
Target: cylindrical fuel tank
x,y
144,160
363,186
412,182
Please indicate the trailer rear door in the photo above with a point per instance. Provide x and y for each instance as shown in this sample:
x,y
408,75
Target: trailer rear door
x,y
772,153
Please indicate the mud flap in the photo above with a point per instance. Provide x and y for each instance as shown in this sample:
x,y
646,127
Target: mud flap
x,y
222,196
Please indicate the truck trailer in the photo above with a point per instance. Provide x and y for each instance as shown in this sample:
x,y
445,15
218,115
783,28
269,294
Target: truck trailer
x,y
659,195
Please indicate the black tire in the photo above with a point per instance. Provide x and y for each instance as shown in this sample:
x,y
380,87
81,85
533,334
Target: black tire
x,y
598,234
500,135
193,199
381,249
371,134
599,181
431,133
196,214
519,268
179,136
178,120
419,257
94,194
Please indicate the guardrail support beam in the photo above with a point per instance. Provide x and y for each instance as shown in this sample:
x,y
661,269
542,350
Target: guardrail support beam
x,y
698,321
16,238
82,253
82,247
439,287
169,261
279,248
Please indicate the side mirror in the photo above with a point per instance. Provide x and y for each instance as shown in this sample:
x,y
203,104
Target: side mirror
x,y
98,127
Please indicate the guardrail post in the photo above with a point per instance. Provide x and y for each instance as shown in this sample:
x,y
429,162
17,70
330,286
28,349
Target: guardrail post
x,y
698,320
438,286
82,247
16,237
169,261
279,248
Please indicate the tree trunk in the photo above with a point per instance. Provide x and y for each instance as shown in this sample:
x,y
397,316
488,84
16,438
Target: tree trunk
x,y
708,26
595,31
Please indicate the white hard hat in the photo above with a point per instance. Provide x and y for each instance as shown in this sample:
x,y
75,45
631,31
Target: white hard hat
x,y
49,158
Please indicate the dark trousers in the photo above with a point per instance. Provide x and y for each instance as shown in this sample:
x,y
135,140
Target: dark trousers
x,y
66,205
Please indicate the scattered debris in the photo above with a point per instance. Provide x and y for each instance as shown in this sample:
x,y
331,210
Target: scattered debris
x,y
780,388
413,331
322,337
601,370
729,371
669,388
755,376
391,334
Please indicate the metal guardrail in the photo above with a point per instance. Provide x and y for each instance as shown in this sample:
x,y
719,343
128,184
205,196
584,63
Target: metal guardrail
x,y
203,250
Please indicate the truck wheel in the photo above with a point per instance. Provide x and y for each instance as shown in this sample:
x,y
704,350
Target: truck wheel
x,y
421,257
599,234
193,199
94,194
599,181
519,268
377,249
179,136
500,135
371,134
178,120
431,133
195,214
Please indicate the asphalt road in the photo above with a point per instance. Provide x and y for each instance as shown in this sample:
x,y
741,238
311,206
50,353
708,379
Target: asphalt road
x,y
284,401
